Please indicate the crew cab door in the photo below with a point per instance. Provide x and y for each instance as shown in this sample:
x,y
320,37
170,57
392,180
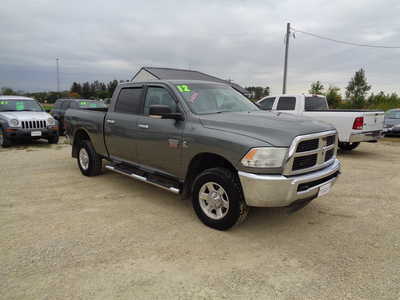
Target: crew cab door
x,y
286,104
120,124
160,140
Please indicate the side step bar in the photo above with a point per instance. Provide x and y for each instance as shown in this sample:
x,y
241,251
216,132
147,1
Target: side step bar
x,y
142,178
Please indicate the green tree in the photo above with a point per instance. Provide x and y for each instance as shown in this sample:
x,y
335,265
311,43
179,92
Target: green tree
x,y
317,88
267,91
333,96
8,91
357,89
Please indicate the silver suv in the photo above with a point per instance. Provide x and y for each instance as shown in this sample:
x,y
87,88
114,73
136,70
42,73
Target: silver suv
x,y
24,118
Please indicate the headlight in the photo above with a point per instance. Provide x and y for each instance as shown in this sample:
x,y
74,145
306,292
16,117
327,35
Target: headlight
x,y
51,122
13,122
266,157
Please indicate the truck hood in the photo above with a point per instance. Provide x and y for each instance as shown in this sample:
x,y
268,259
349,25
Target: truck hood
x,y
25,115
275,128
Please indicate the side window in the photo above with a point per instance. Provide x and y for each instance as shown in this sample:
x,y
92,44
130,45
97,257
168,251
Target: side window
x,y
286,103
129,101
267,103
65,105
158,95
58,103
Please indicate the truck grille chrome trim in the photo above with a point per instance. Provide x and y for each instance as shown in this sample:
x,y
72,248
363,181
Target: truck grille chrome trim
x,y
311,152
34,124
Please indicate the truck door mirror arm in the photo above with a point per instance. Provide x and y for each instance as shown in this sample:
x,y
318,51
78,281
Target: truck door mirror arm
x,y
164,112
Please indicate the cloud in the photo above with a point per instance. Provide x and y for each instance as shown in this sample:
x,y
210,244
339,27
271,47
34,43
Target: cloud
x,y
240,40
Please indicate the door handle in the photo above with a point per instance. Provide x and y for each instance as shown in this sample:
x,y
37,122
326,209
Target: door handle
x,y
111,121
144,126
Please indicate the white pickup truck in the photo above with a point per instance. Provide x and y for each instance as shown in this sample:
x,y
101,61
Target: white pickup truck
x,y
353,126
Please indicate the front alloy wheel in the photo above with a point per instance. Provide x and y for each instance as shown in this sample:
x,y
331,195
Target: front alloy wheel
x,y
218,198
213,200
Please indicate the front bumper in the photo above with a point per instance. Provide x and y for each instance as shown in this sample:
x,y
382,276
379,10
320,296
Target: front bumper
x,y
279,190
19,133
369,136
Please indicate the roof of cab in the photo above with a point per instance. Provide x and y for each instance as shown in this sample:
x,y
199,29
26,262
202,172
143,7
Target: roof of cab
x,y
5,97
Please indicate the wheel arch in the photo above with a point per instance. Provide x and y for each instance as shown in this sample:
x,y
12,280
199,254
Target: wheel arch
x,y
199,163
79,136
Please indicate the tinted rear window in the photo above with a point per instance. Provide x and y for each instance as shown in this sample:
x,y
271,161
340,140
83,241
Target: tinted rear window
x,y
315,103
286,103
129,100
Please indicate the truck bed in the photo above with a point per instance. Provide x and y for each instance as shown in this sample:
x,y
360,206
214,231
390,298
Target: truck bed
x,y
91,120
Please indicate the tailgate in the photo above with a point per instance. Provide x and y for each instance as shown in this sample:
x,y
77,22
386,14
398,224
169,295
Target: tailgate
x,y
373,121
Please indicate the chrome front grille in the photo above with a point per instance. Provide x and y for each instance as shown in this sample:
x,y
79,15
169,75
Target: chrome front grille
x,y
311,152
34,124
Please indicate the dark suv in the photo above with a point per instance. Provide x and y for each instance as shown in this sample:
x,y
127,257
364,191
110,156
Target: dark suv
x,y
61,106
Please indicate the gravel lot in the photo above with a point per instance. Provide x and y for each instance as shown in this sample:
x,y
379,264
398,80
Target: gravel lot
x,y
65,236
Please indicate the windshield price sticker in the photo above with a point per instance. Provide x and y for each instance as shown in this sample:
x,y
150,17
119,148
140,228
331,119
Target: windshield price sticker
x,y
183,88
83,103
19,106
3,102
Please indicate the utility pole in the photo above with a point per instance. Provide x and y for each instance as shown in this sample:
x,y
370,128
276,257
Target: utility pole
x,y
58,75
286,57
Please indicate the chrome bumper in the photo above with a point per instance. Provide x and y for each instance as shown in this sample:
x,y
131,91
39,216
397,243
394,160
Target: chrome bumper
x,y
365,136
278,190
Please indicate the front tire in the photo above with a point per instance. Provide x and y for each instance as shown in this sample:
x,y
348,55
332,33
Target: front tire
x,y
89,162
348,146
4,140
53,140
218,199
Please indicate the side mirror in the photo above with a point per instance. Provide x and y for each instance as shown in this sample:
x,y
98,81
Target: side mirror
x,y
163,112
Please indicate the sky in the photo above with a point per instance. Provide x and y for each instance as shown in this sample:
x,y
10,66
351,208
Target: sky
x,y
242,40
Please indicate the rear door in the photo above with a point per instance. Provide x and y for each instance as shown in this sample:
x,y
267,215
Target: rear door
x,y
286,104
120,124
160,145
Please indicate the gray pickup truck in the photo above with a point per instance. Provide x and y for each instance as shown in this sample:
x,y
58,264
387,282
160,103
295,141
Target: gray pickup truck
x,y
206,141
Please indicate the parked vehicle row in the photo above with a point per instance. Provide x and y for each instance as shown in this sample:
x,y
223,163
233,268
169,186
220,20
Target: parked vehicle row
x,y
353,126
206,140
61,106
392,122
23,118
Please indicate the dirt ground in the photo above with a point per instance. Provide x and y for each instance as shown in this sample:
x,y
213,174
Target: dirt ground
x,y
66,236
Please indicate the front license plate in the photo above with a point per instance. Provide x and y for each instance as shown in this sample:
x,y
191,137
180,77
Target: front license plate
x,y
325,189
36,133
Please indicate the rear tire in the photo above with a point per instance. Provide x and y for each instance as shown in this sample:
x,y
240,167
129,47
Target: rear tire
x,y
4,140
348,146
89,162
218,199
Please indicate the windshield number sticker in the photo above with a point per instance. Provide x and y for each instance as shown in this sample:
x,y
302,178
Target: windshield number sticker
x,y
19,106
3,102
183,88
83,103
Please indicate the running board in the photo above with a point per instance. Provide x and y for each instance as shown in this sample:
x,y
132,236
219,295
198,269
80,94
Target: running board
x,y
142,178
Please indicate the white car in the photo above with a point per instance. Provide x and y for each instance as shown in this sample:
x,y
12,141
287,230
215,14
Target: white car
x,y
353,126
22,118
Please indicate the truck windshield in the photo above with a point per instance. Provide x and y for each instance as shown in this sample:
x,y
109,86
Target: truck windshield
x,y
92,104
315,103
19,105
204,98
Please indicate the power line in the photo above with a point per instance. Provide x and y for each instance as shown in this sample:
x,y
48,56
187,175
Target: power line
x,y
344,42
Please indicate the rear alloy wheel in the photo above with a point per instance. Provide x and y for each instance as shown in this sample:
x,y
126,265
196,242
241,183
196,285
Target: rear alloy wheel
x,y
218,199
4,140
348,146
89,162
